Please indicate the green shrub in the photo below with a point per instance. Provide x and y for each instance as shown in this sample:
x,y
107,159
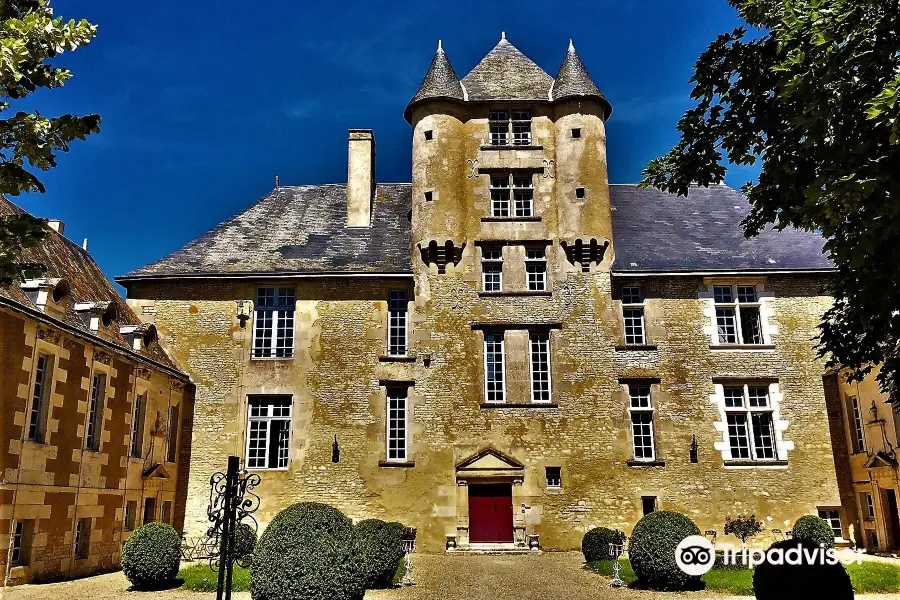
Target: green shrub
x,y
151,556
652,551
777,581
595,543
814,529
380,551
244,541
307,552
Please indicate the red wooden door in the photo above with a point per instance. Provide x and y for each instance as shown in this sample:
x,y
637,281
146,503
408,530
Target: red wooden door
x,y
490,513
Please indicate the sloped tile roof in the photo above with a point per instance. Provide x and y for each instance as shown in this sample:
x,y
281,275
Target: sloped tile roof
x,y
439,82
507,74
655,231
301,230
86,283
573,80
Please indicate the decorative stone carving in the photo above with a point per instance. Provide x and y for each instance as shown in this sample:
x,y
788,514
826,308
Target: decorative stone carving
x,y
473,167
177,385
548,168
102,357
143,373
50,336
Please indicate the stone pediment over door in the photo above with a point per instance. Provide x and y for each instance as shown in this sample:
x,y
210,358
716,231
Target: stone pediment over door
x,y
490,464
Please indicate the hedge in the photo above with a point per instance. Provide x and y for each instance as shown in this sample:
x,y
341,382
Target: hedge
x,y
381,550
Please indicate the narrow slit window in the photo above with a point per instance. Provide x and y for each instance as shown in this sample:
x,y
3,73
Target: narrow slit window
x,y
269,433
21,546
95,412
398,307
856,425
130,509
174,425
40,402
641,410
536,269
397,424
273,331
579,192
82,538
539,350
495,384
492,269
137,425
429,134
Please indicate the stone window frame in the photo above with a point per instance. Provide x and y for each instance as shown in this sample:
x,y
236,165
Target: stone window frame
x,y
856,425
512,194
494,259
268,418
632,303
396,392
636,407
282,316
81,542
45,344
779,425
867,506
553,474
42,385
173,431
397,305
494,334
93,427
22,540
536,261
764,300
503,124
830,510
544,335
138,422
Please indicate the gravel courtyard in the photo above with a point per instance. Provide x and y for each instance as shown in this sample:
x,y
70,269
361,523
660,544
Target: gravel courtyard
x,y
545,576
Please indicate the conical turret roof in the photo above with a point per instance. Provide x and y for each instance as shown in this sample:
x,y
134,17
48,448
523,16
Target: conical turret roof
x,y
573,80
507,74
440,82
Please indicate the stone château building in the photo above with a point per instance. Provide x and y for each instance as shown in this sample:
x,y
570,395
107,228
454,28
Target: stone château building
x,y
95,421
508,349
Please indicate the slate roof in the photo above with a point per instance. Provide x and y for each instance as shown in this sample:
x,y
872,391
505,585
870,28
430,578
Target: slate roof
x,y
573,80
654,231
86,283
439,82
507,74
299,230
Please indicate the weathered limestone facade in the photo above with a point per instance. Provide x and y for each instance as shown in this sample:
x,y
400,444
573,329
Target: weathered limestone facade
x,y
201,300
54,481
866,437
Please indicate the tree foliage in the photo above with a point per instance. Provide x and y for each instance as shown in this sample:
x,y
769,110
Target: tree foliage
x,y
743,527
810,89
30,37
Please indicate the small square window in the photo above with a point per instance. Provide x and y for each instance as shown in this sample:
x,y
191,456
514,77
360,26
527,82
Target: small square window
x,y
576,132
648,504
554,477
429,134
579,192
429,196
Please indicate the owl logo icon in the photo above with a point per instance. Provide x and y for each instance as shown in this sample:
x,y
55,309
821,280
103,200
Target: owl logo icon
x,y
695,555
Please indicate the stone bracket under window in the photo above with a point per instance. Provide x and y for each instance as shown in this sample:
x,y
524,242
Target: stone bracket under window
x,y
441,254
584,252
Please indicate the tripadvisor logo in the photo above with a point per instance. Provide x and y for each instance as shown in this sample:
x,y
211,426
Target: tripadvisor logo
x,y
695,555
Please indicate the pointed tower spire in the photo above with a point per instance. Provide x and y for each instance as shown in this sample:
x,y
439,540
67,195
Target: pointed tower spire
x,y
574,80
440,82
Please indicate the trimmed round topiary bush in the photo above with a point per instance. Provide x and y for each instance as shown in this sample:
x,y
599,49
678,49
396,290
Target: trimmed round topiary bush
x,y
652,551
779,581
380,551
244,541
813,529
595,543
151,556
308,552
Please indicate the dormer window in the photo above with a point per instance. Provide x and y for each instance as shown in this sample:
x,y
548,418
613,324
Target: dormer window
x,y
510,127
39,291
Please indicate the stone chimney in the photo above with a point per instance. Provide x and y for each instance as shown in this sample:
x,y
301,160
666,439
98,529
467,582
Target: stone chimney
x,y
360,178
56,225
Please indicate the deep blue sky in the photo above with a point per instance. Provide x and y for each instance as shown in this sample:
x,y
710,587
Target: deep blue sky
x,y
204,102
